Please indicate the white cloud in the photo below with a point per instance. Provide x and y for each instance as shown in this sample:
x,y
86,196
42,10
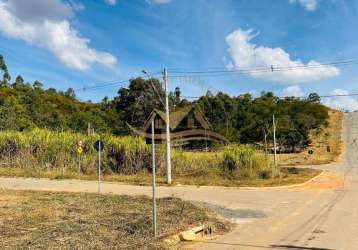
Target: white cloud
x,y
37,10
294,90
245,54
114,2
46,25
158,1
341,102
310,5
111,2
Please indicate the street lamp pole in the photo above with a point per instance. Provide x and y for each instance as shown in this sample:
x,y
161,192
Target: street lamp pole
x,y
168,160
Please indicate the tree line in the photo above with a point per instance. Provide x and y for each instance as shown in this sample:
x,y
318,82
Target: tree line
x,y
242,119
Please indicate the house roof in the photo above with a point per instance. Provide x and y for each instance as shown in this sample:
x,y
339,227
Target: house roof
x,y
177,116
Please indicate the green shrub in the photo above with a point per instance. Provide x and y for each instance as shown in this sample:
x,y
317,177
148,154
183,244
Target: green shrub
x,y
245,161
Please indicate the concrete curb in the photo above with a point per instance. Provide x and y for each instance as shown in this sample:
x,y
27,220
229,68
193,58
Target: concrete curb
x,y
291,186
179,185
258,188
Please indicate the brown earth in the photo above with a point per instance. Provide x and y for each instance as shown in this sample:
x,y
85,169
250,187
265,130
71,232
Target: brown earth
x,y
330,136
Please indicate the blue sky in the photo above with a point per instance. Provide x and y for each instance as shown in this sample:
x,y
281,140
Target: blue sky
x,y
77,43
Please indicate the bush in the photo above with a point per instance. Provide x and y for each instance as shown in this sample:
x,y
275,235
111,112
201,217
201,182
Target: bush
x,y
244,160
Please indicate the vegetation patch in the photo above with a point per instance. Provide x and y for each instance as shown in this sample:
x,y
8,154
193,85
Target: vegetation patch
x,y
326,144
45,220
42,153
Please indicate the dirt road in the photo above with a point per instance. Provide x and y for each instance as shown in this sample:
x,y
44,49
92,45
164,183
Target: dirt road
x,y
320,215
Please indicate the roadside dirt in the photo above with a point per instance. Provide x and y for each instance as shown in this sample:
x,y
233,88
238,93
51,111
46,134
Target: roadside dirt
x,y
328,180
326,144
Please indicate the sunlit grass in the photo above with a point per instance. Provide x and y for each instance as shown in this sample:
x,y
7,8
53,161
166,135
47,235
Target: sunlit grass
x,y
42,153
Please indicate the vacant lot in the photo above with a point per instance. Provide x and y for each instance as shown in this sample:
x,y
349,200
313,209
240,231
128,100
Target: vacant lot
x,y
44,220
43,153
322,138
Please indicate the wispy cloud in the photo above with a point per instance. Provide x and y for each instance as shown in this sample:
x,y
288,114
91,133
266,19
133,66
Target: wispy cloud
x,y
245,54
158,1
294,91
342,102
114,2
46,24
111,2
309,5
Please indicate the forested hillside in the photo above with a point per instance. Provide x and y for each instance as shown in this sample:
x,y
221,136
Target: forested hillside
x,y
243,118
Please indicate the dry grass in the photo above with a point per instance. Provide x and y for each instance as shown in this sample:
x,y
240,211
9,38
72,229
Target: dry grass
x,y
321,138
45,220
288,176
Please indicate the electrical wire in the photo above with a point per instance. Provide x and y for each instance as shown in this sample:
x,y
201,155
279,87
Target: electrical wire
x,y
283,97
271,68
293,64
105,85
258,71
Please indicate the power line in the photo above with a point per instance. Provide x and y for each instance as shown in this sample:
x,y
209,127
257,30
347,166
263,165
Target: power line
x,y
254,70
293,64
269,68
113,83
225,72
283,97
105,85
338,95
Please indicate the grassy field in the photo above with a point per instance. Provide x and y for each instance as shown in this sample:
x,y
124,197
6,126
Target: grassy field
x,y
44,220
321,138
42,153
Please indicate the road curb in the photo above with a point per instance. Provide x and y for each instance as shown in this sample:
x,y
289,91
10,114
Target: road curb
x,y
180,185
257,188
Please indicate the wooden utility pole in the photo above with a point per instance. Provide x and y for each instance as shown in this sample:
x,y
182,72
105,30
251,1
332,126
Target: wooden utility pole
x,y
168,161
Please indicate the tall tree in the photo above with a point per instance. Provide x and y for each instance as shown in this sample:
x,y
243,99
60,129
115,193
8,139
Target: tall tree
x,y
6,76
37,85
13,115
136,102
19,82
70,92
314,97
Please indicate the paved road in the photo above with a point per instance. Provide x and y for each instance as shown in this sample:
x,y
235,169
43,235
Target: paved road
x,y
321,219
309,217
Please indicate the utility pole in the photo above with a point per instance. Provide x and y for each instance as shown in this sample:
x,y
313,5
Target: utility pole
x,y
168,161
99,168
274,138
154,184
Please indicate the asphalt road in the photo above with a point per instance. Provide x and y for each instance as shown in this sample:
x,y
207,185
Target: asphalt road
x,y
315,216
311,218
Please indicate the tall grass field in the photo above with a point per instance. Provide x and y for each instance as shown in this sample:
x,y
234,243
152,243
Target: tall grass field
x,y
43,153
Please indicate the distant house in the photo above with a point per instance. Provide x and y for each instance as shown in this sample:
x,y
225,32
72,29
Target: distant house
x,y
186,125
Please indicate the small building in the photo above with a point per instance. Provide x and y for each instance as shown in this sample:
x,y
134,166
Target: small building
x,y
187,124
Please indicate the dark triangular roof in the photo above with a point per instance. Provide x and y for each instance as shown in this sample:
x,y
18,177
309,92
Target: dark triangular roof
x,y
177,116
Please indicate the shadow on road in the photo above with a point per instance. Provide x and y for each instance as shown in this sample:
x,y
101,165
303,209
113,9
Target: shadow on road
x,y
298,248
268,247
